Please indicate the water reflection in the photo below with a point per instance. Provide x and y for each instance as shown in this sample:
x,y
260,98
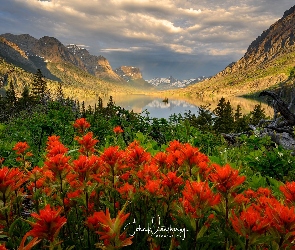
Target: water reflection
x,y
159,109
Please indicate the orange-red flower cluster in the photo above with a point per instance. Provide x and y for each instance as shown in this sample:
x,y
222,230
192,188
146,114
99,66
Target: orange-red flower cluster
x,y
48,223
225,178
87,143
197,198
109,229
10,180
118,130
81,125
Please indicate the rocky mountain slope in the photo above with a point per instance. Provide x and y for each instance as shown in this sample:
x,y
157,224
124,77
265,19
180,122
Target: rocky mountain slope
x,y
268,61
71,64
53,51
95,65
133,76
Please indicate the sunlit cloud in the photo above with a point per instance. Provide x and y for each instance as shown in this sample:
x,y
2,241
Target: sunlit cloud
x,y
151,33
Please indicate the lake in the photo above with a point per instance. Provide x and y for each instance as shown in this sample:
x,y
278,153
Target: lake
x,y
158,109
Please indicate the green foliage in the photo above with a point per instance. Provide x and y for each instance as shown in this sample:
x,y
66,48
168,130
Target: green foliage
x,y
39,86
224,122
257,115
292,73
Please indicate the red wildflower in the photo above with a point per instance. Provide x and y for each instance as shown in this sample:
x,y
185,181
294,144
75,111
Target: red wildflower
x,y
21,147
54,146
289,191
81,125
197,197
283,217
109,229
161,159
153,186
84,165
126,190
48,223
172,181
174,145
59,165
136,155
111,157
10,180
226,178
148,172
118,130
2,247
250,221
87,144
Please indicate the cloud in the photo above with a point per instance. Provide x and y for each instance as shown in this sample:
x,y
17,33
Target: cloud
x,y
164,34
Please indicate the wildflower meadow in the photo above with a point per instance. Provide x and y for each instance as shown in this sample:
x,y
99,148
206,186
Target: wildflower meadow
x,y
139,197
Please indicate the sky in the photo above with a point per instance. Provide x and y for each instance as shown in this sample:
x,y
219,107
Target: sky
x,y
180,38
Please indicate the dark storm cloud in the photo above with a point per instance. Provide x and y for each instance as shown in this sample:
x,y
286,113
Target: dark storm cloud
x,y
183,38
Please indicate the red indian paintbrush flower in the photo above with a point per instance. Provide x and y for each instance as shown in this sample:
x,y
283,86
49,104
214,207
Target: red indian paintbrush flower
x,y
87,143
84,165
249,222
226,178
54,146
289,191
154,186
136,155
59,165
109,229
10,180
2,247
172,181
197,197
118,130
126,190
21,147
48,223
112,157
282,217
81,125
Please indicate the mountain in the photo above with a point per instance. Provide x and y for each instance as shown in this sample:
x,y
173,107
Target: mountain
x,y
133,76
53,51
72,65
95,65
267,62
171,83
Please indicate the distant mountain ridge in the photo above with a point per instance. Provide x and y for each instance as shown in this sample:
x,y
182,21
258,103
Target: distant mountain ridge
x,y
267,62
171,82
70,64
277,40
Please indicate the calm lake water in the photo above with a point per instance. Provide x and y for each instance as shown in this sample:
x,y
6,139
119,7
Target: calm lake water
x,y
159,109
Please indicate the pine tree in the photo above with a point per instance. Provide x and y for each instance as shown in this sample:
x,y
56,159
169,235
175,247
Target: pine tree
x,y
11,95
26,100
257,114
39,86
59,93
224,122
238,113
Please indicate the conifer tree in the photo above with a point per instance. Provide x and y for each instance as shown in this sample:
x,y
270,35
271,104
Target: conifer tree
x,y
257,114
39,86
25,100
224,122
11,95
